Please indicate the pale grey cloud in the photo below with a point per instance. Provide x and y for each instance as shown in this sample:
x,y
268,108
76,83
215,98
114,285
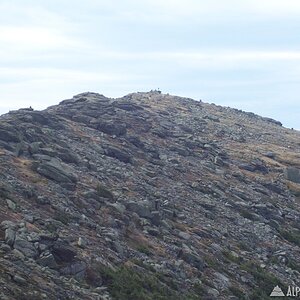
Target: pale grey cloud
x,y
239,53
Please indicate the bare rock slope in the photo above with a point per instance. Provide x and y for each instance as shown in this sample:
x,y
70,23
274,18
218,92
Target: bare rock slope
x,y
148,196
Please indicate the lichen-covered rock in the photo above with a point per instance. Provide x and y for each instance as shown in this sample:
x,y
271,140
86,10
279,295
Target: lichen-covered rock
x,y
292,174
9,134
54,170
120,154
25,247
47,260
111,128
10,235
142,209
76,269
192,258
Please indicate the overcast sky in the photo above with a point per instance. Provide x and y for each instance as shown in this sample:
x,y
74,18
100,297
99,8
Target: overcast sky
x,y
243,54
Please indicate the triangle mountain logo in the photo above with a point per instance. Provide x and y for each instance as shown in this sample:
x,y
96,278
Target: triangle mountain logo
x,y
277,292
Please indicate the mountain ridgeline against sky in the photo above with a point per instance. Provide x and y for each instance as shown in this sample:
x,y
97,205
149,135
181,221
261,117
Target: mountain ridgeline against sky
x,y
148,196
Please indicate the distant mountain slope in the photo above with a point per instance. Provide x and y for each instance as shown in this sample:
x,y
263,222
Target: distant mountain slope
x,y
149,196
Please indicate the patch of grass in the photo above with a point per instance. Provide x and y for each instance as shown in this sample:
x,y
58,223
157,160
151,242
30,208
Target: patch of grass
x,y
102,191
212,262
237,292
51,227
293,265
208,282
294,188
290,263
230,257
126,283
248,215
62,217
137,241
258,294
291,236
265,282
143,265
198,292
243,246
144,249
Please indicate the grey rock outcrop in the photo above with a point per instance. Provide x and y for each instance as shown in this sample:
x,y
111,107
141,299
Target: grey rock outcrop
x,y
292,174
146,196
63,252
54,170
10,235
25,247
142,209
192,258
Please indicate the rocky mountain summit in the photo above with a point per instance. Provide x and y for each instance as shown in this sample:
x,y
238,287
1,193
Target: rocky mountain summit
x,y
148,196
